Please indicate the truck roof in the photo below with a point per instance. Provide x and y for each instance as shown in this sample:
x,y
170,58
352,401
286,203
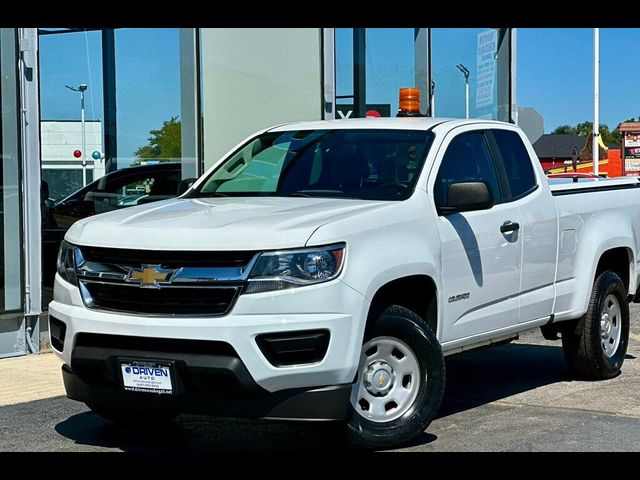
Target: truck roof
x,y
396,123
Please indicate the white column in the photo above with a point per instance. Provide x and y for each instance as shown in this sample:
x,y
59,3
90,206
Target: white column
x,y
31,181
329,72
466,95
84,140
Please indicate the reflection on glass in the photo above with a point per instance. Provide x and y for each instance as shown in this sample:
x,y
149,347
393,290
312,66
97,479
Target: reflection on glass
x,y
390,67
147,68
344,70
67,61
362,164
148,95
477,57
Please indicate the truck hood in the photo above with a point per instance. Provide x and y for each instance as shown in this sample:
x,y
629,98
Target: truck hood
x,y
255,223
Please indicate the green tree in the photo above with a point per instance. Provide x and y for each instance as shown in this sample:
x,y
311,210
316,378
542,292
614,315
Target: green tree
x,y
164,144
584,128
564,130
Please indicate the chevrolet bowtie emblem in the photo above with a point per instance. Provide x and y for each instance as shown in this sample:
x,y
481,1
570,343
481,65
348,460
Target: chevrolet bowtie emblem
x,y
149,276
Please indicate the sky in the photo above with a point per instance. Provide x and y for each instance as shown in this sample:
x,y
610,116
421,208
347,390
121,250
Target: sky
x,y
554,75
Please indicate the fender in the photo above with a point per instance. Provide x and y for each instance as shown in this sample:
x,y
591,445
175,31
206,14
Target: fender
x,y
408,244
604,230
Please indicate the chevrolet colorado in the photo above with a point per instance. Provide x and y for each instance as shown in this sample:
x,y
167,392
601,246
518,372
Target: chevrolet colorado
x,y
322,271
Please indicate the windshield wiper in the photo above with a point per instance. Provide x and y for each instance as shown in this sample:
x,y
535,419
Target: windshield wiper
x,y
319,194
213,194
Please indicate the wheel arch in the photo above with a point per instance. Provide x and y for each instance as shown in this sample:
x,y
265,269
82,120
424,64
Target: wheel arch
x,y
597,253
618,260
416,292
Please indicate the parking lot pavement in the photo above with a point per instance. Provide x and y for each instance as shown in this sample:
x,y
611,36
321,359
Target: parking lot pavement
x,y
516,397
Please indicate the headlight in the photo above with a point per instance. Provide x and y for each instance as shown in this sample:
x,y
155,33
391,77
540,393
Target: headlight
x,y
66,263
295,268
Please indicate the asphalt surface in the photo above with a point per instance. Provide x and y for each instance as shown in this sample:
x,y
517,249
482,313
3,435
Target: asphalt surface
x,y
515,397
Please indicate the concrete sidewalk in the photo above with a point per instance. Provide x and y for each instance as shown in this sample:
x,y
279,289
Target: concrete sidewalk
x,y
29,378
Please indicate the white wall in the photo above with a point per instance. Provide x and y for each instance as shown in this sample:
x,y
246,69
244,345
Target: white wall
x,y
531,123
59,139
253,78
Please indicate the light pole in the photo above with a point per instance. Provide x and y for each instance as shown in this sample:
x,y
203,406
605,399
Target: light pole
x,y
465,72
596,100
82,88
433,98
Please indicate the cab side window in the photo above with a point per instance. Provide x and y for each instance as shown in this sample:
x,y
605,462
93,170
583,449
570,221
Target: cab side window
x,y
467,159
516,161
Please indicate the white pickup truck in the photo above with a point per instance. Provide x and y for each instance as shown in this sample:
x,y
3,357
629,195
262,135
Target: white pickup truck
x,y
323,270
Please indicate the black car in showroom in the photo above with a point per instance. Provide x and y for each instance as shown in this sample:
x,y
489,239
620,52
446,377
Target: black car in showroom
x,y
120,189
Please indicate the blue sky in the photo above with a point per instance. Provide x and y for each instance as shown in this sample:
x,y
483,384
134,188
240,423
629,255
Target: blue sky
x,y
554,74
147,80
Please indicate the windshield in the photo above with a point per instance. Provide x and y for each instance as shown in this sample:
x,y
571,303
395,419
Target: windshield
x,y
363,164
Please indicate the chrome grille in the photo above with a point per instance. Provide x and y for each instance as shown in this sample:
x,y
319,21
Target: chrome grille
x,y
162,283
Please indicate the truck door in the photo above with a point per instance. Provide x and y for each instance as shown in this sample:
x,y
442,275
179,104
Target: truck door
x,y
481,249
538,225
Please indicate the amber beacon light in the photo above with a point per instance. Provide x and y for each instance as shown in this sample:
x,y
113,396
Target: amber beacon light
x,y
409,103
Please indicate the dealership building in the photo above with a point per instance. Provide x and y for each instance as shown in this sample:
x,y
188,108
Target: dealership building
x,y
215,86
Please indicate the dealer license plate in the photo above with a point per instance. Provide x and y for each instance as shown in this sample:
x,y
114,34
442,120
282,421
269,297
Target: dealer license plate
x,y
148,377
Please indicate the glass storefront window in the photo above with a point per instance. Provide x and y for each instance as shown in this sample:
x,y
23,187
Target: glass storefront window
x,y
147,95
70,60
10,211
344,70
137,85
480,56
390,67
388,64
437,61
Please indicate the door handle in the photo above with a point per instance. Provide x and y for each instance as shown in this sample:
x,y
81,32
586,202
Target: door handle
x,y
509,226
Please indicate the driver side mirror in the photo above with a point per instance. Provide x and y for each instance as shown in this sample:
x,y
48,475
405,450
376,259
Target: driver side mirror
x,y
467,196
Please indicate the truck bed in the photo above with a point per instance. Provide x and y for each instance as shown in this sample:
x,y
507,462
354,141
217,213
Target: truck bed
x,y
609,208
568,186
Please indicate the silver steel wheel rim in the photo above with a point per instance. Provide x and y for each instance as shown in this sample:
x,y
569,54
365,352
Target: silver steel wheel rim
x,y
388,380
610,325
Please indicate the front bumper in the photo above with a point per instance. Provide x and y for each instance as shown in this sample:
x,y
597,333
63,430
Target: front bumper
x,y
333,306
200,391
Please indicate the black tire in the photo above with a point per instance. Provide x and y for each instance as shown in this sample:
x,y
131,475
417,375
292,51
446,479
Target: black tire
x,y
133,418
403,324
582,341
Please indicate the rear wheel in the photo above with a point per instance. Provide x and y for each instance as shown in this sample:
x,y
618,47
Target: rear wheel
x,y
596,346
400,382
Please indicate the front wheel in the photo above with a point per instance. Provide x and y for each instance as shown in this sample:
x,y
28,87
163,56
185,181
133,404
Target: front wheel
x,y
596,346
400,382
